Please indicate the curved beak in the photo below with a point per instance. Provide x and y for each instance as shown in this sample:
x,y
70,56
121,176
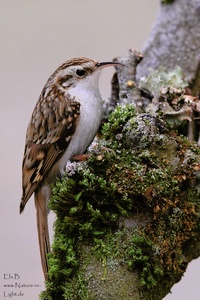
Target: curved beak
x,y
107,64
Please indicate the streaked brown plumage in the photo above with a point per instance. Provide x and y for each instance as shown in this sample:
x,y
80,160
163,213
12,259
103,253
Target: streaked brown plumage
x,y
64,122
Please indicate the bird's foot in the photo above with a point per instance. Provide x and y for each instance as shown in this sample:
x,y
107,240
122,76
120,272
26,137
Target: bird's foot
x,y
81,157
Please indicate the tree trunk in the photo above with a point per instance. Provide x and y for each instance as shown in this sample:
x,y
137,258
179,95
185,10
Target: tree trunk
x,y
128,219
175,40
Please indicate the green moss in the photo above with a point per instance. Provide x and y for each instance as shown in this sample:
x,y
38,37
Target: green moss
x,y
150,179
142,255
114,129
167,1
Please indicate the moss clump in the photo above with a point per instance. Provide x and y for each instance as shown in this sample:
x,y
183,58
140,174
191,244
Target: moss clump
x,y
167,1
132,209
142,255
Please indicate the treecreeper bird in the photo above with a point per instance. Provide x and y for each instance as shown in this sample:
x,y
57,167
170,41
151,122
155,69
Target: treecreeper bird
x,y
63,124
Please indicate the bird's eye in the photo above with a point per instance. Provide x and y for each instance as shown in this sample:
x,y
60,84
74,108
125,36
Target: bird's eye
x,y
80,72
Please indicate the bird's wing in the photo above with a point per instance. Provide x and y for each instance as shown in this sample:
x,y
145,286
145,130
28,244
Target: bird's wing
x,y
48,135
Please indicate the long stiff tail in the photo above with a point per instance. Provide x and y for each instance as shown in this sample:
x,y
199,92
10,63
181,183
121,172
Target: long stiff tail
x,y
42,226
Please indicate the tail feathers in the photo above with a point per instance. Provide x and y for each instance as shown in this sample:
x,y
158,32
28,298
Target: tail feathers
x,y
21,208
42,226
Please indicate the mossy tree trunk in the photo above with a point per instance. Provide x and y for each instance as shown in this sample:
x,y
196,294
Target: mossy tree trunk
x,y
128,218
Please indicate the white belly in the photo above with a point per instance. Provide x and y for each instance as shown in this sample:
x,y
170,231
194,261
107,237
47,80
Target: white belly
x,y
89,122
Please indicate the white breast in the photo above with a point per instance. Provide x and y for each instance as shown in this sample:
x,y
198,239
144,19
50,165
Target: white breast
x,y
88,95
